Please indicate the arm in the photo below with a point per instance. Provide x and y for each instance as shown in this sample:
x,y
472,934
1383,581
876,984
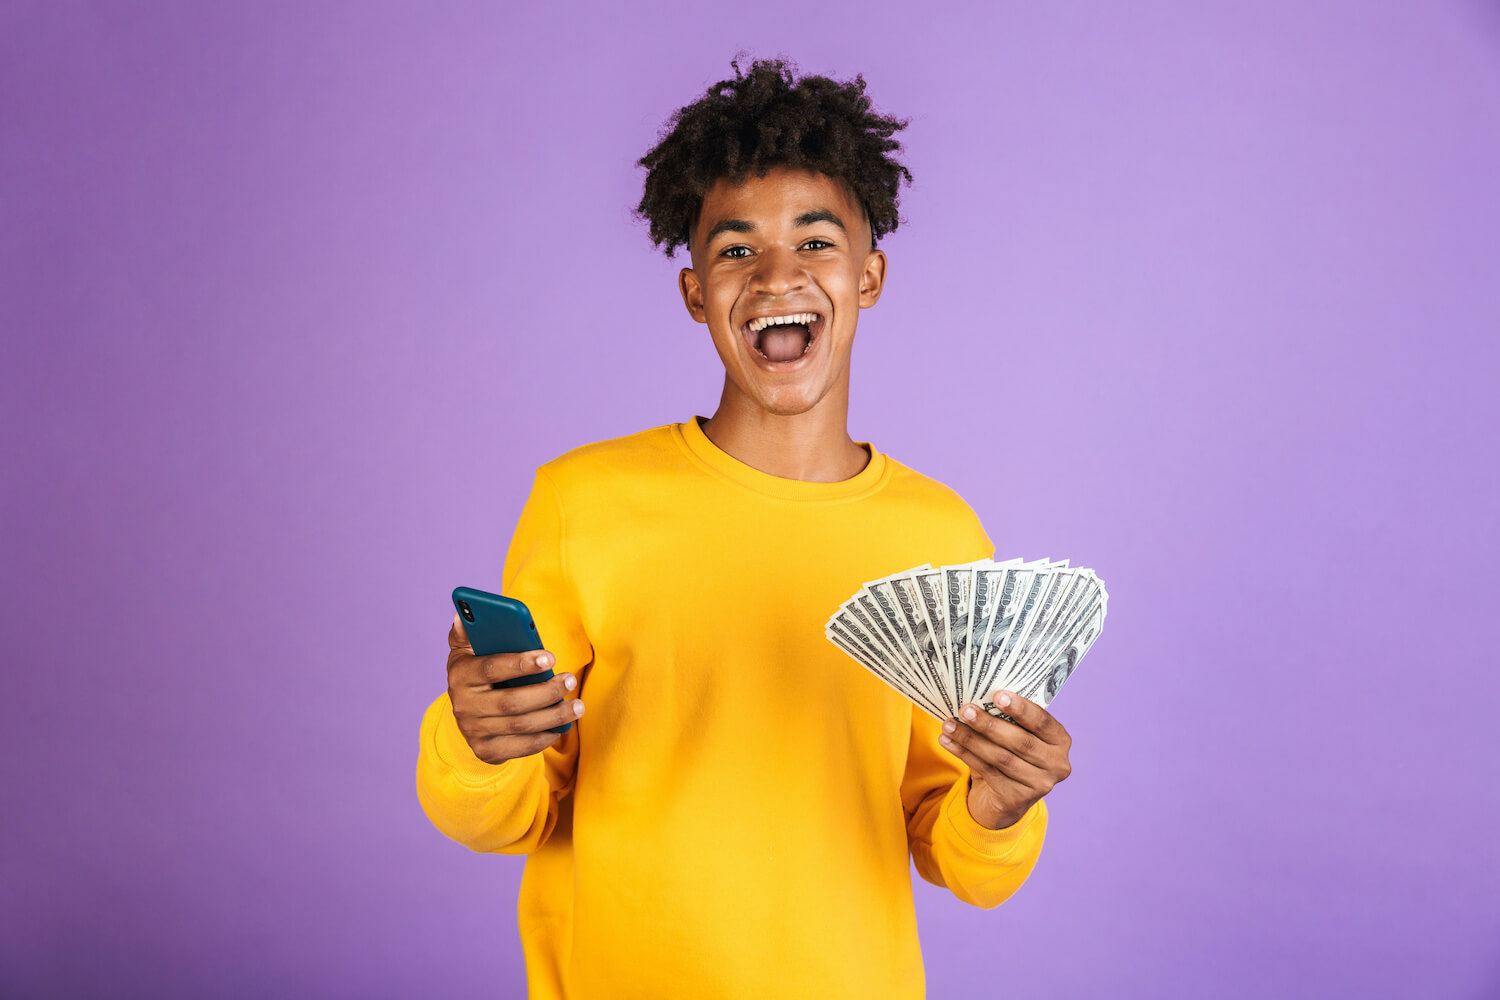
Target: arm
x,y
507,808
511,807
981,866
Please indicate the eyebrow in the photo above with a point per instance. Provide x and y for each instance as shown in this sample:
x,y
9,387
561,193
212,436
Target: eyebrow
x,y
744,226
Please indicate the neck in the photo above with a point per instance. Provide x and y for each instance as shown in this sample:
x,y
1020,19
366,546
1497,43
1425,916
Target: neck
x,y
813,446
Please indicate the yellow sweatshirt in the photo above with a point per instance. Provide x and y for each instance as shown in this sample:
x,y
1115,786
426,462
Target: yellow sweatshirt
x,y
732,816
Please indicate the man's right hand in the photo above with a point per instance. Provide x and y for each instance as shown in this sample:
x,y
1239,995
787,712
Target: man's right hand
x,y
501,724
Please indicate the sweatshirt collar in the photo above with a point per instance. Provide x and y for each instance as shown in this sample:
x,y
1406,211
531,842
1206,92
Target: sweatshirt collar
x,y
725,466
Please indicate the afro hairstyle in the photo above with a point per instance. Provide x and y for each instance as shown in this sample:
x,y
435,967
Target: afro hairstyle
x,y
767,118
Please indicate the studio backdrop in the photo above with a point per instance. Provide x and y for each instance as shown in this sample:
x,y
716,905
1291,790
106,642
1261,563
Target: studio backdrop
x,y
296,297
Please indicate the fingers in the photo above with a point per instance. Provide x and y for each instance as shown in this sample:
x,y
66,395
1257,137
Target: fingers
x,y
466,669
506,666
458,636
987,755
528,723
516,700
1011,748
501,724
1030,716
499,749
1017,776
509,722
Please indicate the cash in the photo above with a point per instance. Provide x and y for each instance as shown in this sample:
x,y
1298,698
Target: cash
x,y
951,635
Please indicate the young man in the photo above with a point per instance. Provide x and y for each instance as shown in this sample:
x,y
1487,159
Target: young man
x,y
733,816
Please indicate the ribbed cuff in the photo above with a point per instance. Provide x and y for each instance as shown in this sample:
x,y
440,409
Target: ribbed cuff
x,y
450,747
994,844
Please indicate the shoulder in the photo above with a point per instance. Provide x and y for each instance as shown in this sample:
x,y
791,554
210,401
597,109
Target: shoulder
x,y
931,502
909,485
630,456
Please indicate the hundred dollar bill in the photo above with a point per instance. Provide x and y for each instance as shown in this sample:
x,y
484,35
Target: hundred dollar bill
x,y
987,582
884,599
1024,601
879,593
1026,617
958,587
1055,606
850,630
1057,585
842,640
875,627
905,595
847,639
1004,605
1066,622
857,643
950,635
1046,637
1081,637
1049,683
934,605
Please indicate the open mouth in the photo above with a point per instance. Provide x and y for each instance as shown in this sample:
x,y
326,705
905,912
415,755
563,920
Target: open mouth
x,y
783,338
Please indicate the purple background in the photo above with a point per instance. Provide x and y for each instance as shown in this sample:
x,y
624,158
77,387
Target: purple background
x,y
296,297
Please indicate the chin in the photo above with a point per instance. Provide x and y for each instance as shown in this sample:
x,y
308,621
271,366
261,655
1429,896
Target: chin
x,y
787,404
779,410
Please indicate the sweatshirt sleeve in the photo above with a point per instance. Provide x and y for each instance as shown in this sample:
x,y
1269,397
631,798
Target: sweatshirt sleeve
x,y
981,866
511,808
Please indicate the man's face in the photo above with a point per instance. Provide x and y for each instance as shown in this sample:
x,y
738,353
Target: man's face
x,y
791,242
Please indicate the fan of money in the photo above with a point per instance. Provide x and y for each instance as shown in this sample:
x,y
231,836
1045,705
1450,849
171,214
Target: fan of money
x,y
951,635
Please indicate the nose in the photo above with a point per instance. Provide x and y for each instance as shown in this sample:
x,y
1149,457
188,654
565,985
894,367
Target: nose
x,y
777,272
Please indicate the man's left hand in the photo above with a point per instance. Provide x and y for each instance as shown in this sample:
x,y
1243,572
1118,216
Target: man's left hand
x,y
1011,766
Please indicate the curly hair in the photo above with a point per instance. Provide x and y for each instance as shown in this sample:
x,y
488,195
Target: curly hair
x,y
766,119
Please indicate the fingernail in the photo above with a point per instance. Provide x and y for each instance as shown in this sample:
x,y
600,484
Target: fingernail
x,y
1003,699
577,707
945,741
569,682
948,727
968,712
544,661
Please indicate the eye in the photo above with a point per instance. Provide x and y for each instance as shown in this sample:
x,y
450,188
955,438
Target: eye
x,y
737,246
824,242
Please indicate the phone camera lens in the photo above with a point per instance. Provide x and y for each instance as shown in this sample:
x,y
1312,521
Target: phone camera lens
x,y
463,609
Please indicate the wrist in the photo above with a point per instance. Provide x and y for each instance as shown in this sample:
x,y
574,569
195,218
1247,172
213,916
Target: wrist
x,y
988,815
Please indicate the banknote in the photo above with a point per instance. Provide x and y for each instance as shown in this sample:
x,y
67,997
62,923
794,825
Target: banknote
x,y
1025,616
881,594
947,636
909,600
1047,682
934,604
958,590
1050,610
982,598
1007,604
1086,595
849,637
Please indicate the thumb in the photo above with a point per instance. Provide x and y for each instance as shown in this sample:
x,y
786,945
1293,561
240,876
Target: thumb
x,y
458,638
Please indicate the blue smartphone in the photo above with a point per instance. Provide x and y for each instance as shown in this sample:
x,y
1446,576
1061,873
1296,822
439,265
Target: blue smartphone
x,y
498,624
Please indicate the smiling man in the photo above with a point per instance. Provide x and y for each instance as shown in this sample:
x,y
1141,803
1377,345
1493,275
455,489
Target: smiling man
x,y
779,276
736,814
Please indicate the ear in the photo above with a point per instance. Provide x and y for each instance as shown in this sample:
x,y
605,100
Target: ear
x,y
692,294
872,278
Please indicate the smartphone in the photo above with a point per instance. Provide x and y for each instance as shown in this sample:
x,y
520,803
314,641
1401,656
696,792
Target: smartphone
x,y
498,624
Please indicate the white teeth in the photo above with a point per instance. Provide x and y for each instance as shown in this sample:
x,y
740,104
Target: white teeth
x,y
757,325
